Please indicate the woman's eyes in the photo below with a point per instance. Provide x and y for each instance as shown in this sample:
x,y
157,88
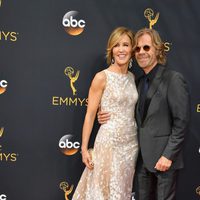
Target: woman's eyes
x,y
125,44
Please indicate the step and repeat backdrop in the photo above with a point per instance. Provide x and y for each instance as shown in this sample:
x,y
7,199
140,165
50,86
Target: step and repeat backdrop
x,y
50,51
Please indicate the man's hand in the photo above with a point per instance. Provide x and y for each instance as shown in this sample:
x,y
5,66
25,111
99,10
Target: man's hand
x,y
103,117
163,164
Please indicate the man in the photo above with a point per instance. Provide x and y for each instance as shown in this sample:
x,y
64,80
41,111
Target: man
x,y
162,115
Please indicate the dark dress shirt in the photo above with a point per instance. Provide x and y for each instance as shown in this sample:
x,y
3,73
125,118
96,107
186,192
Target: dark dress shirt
x,y
146,81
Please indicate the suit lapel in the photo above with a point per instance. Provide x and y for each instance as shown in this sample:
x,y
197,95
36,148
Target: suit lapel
x,y
154,87
155,83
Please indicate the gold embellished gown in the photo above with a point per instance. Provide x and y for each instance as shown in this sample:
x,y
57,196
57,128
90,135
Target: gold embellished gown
x,y
116,146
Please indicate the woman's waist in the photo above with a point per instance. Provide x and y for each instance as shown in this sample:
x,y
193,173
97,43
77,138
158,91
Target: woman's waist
x,y
111,134
121,121
120,125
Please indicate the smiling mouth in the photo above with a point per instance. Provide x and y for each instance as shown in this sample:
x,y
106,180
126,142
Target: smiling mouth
x,y
121,56
142,59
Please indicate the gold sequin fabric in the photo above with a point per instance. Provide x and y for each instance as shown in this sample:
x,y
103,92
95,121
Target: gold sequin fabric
x,y
116,146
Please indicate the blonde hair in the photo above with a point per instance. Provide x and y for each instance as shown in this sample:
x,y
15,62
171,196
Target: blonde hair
x,y
113,39
157,43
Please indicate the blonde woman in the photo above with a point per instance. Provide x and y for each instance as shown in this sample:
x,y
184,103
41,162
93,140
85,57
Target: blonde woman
x,y
110,170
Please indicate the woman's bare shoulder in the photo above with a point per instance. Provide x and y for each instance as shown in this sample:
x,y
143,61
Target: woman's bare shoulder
x,y
99,79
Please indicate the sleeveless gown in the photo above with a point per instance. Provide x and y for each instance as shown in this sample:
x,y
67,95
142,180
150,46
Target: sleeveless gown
x,y
116,146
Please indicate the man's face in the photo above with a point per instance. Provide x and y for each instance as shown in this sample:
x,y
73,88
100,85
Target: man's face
x,y
145,53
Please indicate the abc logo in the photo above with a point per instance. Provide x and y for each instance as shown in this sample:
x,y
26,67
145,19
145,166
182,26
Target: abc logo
x,y
3,85
68,146
72,24
3,197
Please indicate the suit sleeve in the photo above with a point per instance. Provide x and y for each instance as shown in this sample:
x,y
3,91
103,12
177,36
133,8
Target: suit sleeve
x,y
179,105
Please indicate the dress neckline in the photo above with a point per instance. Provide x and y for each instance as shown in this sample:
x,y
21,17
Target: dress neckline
x,y
120,74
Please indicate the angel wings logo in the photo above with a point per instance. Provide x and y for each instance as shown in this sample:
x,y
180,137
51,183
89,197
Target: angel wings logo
x,y
149,14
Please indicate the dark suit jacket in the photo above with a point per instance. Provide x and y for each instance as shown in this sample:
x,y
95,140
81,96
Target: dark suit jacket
x,y
166,122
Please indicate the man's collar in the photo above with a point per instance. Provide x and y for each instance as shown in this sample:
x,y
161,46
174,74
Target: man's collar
x,y
152,73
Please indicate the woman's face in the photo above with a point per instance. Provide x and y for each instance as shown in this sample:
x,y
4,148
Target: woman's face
x,y
122,51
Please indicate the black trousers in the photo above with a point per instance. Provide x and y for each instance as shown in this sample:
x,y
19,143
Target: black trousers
x,y
155,185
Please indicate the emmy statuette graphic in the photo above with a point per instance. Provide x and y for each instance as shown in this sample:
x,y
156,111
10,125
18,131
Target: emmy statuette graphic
x,y
1,131
69,71
67,190
149,13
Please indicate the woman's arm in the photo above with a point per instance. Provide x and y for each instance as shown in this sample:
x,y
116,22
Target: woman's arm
x,y
94,98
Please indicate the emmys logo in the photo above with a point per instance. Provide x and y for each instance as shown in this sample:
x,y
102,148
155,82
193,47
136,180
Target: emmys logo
x,y
3,197
8,36
149,13
6,156
70,101
198,190
69,71
68,146
3,86
72,25
66,189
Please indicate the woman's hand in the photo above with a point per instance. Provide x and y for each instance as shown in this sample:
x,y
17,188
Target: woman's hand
x,y
87,159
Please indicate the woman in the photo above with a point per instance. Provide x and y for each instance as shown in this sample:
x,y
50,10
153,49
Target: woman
x,y
109,171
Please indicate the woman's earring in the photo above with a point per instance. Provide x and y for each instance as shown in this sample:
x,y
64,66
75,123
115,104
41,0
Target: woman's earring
x,y
130,63
112,61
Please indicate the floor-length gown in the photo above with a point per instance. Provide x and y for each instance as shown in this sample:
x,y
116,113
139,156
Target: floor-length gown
x,y
116,147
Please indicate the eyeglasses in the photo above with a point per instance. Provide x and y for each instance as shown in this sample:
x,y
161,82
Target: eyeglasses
x,y
145,48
